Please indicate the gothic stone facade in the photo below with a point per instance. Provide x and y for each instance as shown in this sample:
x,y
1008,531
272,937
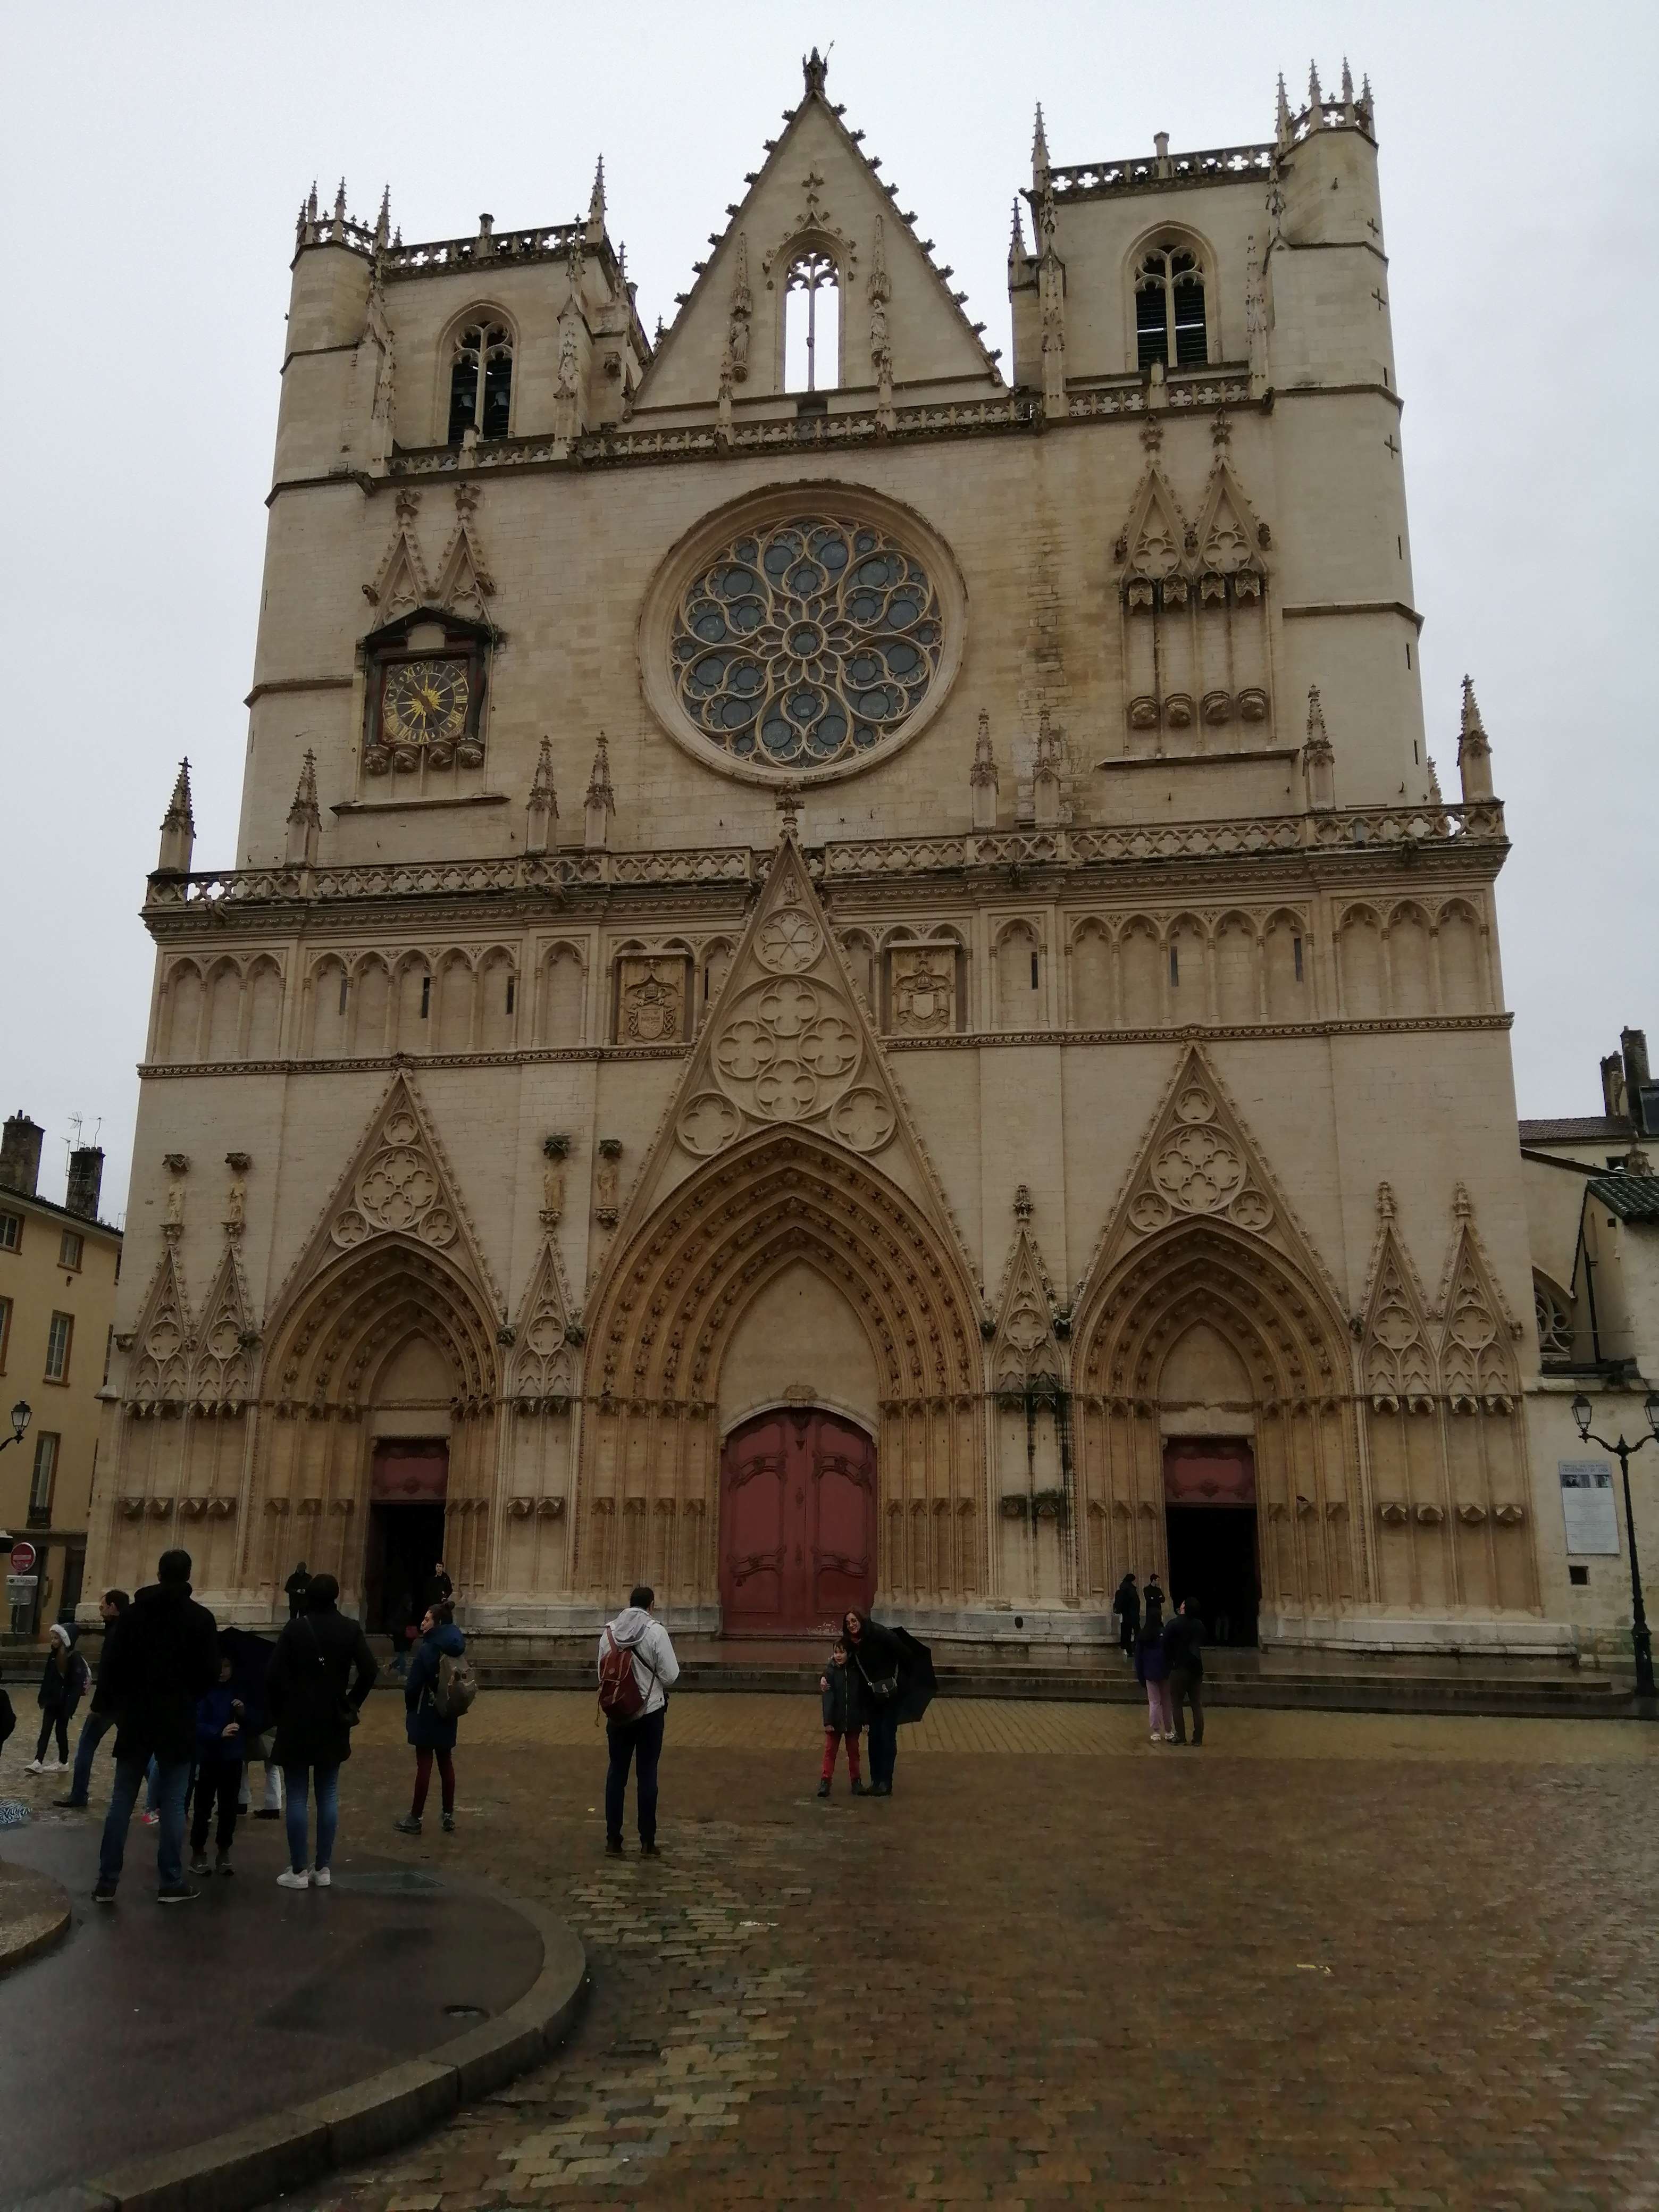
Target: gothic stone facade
x,y
859,986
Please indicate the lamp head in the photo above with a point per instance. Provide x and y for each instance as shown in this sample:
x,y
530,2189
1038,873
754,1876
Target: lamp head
x,y
1581,1413
22,1414
1652,1409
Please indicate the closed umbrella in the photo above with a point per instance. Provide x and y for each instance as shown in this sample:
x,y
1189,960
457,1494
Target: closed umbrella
x,y
918,1684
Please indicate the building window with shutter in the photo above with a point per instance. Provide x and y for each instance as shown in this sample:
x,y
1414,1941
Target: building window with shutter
x,y
44,1477
1170,319
60,1337
11,1231
70,1250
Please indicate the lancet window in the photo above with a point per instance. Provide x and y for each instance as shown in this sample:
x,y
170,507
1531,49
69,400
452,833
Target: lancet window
x,y
481,382
811,323
1169,315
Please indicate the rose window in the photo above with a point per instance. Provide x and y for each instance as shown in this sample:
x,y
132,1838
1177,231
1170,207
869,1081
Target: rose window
x,y
806,643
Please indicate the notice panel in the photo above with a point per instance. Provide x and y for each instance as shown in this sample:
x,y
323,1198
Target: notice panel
x,y
1588,1508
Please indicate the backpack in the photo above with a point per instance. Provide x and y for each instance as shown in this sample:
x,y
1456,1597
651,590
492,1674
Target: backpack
x,y
457,1686
620,1698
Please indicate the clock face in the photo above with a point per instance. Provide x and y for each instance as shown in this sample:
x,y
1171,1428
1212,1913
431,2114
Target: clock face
x,y
423,701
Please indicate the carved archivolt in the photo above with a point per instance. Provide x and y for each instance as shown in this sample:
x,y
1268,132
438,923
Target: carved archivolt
x,y
359,1312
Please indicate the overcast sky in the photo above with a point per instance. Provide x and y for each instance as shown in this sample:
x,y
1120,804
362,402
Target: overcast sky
x,y
155,156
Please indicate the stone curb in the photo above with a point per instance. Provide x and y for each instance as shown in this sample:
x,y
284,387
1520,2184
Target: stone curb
x,y
249,2165
47,1927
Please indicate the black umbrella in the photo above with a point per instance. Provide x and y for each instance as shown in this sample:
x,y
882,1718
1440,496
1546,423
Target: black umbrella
x,y
249,1657
918,1684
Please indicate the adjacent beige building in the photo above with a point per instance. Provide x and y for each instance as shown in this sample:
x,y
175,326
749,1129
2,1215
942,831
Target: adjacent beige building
x,y
846,972
59,1267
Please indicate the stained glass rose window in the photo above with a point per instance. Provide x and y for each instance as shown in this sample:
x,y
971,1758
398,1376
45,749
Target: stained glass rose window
x,y
806,643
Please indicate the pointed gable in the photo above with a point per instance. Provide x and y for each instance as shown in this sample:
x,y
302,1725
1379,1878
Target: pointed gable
x,y
1027,1350
1477,1331
544,1367
817,189
400,583
787,1044
221,1374
464,583
1153,546
1398,1359
1228,532
162,1342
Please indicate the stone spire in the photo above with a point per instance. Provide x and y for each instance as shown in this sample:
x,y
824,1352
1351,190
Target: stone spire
x,y
982,777
1316,99
178,829
595,230
1020,261
543,810
383,222
601,803
305,821
1284,128
1318,759
1348,91
337,229
1474,752
1039,154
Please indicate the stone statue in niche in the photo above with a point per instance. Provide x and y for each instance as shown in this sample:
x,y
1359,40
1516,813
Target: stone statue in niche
x,y
607,1179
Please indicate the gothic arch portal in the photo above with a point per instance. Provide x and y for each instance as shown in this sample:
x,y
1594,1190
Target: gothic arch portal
x,y
393,1304
666,1314
1285,1339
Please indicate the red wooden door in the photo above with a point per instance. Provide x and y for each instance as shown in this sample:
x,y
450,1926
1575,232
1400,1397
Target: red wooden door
x,y
798,1523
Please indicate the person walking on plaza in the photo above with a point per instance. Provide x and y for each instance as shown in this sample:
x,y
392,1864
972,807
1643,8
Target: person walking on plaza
x,y
220,1749
1183,1654
840,1719
64,1680
440,1689
101,1718
320,1672
1126,1604
637,1669
296,1586
159,1658
892,1682
1152,1673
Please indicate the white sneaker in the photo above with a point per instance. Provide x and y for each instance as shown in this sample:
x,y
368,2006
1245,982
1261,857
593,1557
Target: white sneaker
x,y
320,1877
34,1766
289,1880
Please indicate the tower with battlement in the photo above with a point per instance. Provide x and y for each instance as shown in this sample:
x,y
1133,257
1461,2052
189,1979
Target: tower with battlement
x,y
846,976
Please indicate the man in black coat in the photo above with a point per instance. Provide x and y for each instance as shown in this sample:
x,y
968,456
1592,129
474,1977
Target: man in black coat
x,y
159,1658
1184,1652
296,1586
1126,1603
320,1672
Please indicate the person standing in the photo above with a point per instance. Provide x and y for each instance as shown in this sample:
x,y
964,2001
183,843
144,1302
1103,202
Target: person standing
x,y
296,1586
1184,1652
432,1713
637,1669
1126,1604
220,1748
840,1719
64,1680
439,1591
159,1658
99,1719
1152,1673
1152,1607
877,1660
320,1672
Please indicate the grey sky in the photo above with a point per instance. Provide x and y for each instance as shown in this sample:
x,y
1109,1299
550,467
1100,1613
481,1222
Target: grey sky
x,y
155,158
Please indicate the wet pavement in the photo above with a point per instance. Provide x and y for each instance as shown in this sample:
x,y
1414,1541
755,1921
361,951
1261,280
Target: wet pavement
x,y
1328,1960
148,2028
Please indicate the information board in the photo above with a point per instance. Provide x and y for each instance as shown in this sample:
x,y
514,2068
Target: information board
x,y
1589,1508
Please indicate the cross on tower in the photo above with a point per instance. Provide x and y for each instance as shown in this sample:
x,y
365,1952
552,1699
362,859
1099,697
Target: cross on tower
x,y
1389,443
1381,301
813,182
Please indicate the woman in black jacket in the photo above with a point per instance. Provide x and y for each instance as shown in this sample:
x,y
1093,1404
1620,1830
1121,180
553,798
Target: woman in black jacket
x,y
65,1679
320,1672
874,1661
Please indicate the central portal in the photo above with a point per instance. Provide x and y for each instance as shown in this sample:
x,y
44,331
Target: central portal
x,y
798,1522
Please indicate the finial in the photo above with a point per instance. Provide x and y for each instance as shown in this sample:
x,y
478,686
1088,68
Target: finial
x,y
658,339
544,808
311,204
1462,1204
599,784
815,67
383,221
982,777
1317,733
1472,727
305,819
1039,152
1367,105
1474,751
788,805
1284,128
1315,98
1018,260
179,807
1385,1201
1022,1202
1319,756
1347,84
339,203
177,828
1437,796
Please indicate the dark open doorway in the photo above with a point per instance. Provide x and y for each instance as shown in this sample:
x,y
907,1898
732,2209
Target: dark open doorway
x,y
408,1484
1209,1483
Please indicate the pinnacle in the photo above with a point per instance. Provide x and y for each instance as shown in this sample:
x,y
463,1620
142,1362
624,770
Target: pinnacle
x,y
596,198
1471,711
1039,148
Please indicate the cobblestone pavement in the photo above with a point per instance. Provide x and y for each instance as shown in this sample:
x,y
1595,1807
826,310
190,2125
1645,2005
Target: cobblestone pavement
x,y
1326,1960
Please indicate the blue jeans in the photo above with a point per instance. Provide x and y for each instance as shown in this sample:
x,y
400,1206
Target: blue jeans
x,y
640,1739
295,1780
94,1729
172,1781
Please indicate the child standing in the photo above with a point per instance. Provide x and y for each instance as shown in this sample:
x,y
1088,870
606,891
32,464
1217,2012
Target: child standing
x,y
840,1718
219,1751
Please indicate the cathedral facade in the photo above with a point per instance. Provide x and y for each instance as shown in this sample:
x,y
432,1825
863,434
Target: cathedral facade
x,y
847,976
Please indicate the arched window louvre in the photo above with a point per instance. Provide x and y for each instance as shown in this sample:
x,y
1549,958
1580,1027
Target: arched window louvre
x,y
481,382
1170,319
811,338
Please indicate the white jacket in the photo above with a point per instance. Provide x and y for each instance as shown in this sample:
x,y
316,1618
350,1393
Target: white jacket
x,y
655,1667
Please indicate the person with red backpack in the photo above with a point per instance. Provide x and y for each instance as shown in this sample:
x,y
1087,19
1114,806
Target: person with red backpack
x,y
637,1669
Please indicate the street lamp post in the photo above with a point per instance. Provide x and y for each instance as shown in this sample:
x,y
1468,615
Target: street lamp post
x,y
22,1414
1639,1636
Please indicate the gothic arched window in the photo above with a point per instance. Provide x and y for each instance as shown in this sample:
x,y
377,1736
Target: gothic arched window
x,y
812,322
481,382
1169,324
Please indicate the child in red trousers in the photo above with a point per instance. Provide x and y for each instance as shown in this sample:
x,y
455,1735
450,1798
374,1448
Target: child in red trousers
x,y
840,1718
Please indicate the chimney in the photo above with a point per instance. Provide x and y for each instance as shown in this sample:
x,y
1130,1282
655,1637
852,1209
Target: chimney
x,y
86,1178
19,1154
1638,1082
